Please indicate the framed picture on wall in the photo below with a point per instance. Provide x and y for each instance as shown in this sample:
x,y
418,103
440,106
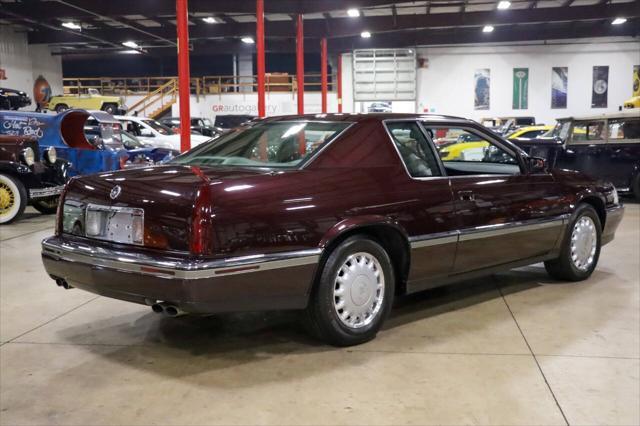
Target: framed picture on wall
x,y
600,86
559,85
482,88
520,88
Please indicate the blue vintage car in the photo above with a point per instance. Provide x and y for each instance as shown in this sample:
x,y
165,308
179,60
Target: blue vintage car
x,y
103,129
65,132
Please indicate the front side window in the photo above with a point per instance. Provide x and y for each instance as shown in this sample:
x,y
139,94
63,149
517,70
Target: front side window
x,y
588,131
465,152
160,128
272,145
414,149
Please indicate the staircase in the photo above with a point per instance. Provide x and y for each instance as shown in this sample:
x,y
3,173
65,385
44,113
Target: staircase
x,y
158,102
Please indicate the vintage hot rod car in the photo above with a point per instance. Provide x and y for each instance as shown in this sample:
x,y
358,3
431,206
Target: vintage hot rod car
x,y
333,214
65,132
604,146
28,176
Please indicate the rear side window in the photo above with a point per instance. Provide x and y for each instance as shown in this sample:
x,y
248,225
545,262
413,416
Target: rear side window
x,y
413,146
624,130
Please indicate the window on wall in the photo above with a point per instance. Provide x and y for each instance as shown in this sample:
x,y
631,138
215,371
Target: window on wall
x,y
417,155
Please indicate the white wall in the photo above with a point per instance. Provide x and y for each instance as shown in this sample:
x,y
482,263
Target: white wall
x,y
23,63
446,85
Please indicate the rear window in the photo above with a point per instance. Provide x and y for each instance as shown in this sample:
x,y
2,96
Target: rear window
x,y
271,145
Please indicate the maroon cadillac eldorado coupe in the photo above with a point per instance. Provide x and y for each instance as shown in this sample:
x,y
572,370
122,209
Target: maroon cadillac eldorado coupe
x,y
334,214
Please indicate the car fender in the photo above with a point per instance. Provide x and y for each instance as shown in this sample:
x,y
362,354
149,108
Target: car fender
x,y
13,168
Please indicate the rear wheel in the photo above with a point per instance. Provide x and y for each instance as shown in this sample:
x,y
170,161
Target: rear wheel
x,y
13,199
354,294
580,248
47,205
61,108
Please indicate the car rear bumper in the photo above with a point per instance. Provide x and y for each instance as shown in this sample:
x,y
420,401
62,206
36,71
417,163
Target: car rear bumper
x,y
613,219
262,282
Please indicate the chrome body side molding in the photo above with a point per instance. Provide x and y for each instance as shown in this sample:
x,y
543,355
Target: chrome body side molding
x,y
487,231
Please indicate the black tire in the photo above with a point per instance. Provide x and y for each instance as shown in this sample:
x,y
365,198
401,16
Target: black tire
x,y
13,199
61,108
47,205
322,313
110,108
564,267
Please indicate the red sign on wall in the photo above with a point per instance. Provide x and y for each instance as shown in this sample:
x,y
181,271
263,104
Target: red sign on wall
x,y
3,74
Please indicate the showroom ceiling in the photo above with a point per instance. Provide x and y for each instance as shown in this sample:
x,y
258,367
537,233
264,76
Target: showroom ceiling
x,y
219,26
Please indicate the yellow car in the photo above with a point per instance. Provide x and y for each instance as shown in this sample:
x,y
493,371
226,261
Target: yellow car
x,y
465,151
529,132
634,102
92,100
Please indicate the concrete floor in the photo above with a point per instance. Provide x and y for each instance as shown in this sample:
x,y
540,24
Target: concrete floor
x,y
511,349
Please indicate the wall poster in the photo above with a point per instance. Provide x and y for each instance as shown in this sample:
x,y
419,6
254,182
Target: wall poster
x,y
482,86
600,87
520,88
636,80
559,84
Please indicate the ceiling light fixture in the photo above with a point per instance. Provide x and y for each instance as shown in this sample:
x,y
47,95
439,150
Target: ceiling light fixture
x,y
71,25
487,29
365,34
353,13
131,44
504,5
248,40
210,20
619,21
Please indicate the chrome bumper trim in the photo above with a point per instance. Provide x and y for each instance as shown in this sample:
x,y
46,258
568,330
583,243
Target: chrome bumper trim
x,y
46,192
175,268
487,231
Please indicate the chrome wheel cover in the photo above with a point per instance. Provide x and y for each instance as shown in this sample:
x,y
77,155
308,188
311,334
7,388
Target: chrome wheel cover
x,y
584,241
358,290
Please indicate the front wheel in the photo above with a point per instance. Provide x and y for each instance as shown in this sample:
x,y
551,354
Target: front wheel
x,y
354,294
13,199
580,247
110,109
47,205
61,108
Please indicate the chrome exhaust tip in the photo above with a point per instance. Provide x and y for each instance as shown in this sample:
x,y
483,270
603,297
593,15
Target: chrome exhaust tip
x,y
167,309
63,283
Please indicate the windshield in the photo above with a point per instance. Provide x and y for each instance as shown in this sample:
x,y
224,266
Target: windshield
x,y
130,141
561,130
160,128
207,122
273,145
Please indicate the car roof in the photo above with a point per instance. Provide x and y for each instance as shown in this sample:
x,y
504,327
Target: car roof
x,y
619,114
359,117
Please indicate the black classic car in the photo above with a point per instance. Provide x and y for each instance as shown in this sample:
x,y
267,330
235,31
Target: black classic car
x,y
604,146
29,175
199,125
11,99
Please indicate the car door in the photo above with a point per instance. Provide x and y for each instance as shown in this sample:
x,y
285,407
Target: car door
x,y
586,148
504,214
427,205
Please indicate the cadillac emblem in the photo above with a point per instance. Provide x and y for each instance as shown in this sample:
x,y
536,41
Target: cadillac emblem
x,y
115,192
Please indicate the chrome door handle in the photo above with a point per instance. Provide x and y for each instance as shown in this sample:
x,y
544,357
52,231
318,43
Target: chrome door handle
x,y
466,195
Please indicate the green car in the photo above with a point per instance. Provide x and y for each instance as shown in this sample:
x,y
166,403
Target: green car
x,y
91,100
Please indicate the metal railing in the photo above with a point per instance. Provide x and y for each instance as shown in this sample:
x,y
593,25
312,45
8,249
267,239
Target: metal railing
x,y
219,84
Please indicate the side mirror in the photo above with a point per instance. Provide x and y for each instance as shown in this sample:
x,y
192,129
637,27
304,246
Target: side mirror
x,y
537,164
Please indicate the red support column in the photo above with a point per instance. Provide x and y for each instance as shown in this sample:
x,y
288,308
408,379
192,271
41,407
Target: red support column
x,y
323,72
339,77
184,84
262,110
300,64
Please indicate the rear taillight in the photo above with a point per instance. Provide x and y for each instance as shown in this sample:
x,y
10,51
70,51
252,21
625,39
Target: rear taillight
x,y
201,223
60,210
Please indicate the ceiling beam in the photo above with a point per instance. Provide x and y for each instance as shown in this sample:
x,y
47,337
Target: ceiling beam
x,y
348,27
